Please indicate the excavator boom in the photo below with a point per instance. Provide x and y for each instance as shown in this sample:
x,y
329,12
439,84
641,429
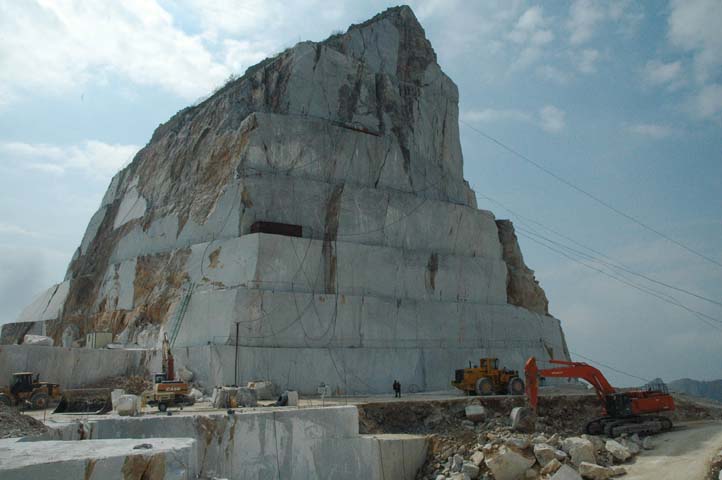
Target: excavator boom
x,y
624,411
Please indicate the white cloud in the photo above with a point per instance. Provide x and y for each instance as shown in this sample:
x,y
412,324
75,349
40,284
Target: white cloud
x,y
651,130
553,74
532,34
586,62
707,103
58,47
491,115
694,25
552,119
584,17
93,158
10,229
656,73
549,118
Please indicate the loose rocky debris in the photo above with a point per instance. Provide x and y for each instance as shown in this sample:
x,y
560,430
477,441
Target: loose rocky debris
x,y
15,424
133,385
498,452
473,438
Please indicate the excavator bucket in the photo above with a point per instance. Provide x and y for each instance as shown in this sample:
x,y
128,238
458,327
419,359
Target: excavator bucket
x,y
85,401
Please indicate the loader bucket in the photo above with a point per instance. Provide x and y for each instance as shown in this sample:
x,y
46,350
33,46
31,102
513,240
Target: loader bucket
x,y
85,401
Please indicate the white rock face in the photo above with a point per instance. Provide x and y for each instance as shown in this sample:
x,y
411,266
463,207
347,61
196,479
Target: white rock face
x,y
317,202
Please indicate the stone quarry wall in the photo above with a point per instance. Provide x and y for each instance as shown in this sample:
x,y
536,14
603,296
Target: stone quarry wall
x,y
352,144
75,367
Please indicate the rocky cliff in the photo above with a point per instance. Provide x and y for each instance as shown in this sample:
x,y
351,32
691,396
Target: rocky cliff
x,y
318,201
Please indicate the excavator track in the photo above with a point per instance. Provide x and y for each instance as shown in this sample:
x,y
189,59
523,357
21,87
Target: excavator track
x,y
613,427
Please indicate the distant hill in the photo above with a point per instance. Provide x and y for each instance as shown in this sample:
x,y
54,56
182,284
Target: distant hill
x,y
698,388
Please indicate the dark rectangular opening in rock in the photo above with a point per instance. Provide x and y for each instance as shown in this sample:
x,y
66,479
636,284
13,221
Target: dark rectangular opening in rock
x,y
276,228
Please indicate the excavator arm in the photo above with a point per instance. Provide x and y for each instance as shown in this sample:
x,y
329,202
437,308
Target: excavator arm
x,y
629,411
568,370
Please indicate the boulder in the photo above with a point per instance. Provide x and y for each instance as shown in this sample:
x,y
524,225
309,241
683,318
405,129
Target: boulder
x,y
618,451
618,470
115,395
566,472
456,463
470,469
185,374
246,397
38,340
196,394
292,398
551,467
128,405
475,413
265,390
579,449
561,455
477,458
224,397
459,476
544,453
523,419
633,447
518,442
70,334
596,441
647,443
592,471
508,464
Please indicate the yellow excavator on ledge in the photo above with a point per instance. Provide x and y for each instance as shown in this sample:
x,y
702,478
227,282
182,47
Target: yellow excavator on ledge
x,y
167,390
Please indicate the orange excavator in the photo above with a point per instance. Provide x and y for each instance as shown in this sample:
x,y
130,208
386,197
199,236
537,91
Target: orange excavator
x,y
630,411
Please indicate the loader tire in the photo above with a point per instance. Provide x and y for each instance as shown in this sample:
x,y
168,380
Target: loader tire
x,y
5,400
516,386
162,406
484,386
39,401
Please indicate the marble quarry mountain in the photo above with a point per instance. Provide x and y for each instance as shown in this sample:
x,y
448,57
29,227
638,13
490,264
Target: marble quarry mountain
x,y
312,217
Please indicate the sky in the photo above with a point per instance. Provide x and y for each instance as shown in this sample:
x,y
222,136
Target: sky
x,y
620,99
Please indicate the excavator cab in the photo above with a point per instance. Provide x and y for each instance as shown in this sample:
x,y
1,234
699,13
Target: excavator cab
x,y
22,382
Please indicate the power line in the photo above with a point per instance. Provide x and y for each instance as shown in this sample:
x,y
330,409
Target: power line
x,y
612,262
667,299
591,196
609,367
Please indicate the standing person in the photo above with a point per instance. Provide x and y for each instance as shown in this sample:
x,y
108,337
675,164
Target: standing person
x,y
397,389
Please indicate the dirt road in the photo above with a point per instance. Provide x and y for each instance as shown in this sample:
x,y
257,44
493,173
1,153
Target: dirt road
x,y
683,453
